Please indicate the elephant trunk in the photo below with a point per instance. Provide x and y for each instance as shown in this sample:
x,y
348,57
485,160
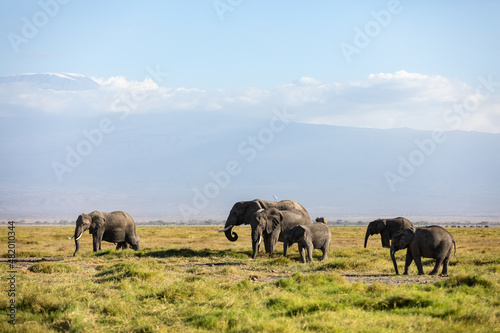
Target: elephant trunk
x,y
255,248
77,235
393,257
232,236
256,239
366,237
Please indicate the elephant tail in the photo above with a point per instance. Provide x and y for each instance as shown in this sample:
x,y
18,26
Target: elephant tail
x,y
455,246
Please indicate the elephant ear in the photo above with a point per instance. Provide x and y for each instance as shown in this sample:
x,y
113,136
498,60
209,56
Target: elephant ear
x,y
97,221
298,233
380,225
407,236
274,218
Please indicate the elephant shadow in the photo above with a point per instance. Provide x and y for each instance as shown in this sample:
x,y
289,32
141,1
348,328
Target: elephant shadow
x,y
190,253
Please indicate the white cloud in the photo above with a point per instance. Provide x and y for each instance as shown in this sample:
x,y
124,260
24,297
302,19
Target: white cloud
x,y
383,100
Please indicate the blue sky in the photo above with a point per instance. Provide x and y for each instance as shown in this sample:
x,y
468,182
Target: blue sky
x,y
271,47
261,44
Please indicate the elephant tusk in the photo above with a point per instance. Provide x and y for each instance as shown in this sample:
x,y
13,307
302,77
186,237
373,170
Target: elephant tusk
x,y
71,237
79,236
260,240
226,229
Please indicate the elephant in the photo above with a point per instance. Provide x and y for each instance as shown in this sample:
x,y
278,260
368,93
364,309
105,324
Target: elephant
x,y
428,242
322,220
116,227
386,228
268,224
309,236
242,212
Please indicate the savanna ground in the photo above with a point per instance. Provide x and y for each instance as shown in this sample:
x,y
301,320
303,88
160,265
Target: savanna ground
x,y
192,279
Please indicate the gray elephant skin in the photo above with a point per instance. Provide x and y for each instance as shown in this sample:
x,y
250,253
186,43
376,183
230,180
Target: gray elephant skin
x,y
243,212
428,242
268,224
115,227
386,228
309,237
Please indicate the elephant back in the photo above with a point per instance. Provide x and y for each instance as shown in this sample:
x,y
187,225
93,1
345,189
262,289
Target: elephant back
x,y
290,205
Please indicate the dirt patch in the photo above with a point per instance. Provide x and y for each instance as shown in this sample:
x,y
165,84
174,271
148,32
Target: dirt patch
x,y
25,263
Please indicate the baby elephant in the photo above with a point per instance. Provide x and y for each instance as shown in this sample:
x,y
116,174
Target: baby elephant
x,y
428,242
309,236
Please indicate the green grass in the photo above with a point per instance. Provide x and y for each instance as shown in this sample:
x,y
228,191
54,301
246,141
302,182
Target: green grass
x,y
191,279
50,268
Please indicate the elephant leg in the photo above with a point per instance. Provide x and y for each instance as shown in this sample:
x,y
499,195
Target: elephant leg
x,y
310,249
96,240
409,259
439,261
418,263
96,243
324,249
302,252
446,261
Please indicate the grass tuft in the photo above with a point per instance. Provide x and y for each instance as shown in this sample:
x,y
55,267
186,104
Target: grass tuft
x,y
132,270
50,268
465,280
343,263
280,262
403,301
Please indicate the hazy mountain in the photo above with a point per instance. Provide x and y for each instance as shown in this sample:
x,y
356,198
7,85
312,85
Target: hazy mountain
x,y
198,164
55,81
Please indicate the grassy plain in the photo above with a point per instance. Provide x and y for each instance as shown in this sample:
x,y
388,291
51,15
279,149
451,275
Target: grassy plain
x,y
192,279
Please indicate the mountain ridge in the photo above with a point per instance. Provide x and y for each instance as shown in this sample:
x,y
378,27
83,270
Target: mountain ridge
x,y
158,164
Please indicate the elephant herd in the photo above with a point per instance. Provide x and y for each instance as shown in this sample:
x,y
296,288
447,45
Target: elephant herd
x,y
288,222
